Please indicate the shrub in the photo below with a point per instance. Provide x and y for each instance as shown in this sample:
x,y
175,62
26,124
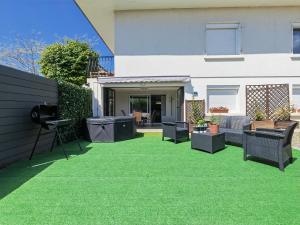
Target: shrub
x,y
74,102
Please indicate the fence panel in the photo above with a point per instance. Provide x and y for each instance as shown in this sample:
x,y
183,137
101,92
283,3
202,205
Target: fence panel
x,y
194,109
267,98
19,92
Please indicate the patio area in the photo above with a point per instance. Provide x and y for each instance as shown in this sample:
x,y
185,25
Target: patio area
x,y
147,181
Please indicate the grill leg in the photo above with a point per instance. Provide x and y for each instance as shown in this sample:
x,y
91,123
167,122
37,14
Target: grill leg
x,y
76,138
61,142
53,142
35,144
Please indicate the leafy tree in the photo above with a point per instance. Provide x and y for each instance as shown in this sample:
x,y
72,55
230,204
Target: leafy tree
x,y
67,61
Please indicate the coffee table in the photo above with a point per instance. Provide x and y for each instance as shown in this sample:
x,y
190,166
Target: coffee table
x,y
208,142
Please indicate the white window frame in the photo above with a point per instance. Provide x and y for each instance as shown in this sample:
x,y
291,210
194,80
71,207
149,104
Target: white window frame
x,y
295,87
294,26
222,26
224,87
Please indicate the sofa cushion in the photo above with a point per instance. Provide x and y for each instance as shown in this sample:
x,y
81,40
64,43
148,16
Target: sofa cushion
x,y
238,122
224,120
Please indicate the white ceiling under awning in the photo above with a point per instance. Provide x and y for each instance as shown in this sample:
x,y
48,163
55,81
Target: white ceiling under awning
x,y
101,12
154,81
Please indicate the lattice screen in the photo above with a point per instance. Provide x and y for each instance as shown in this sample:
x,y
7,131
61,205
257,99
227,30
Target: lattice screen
x,y
199,109
267,98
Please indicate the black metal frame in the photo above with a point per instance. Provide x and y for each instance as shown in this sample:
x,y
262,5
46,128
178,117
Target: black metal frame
x,y
58,135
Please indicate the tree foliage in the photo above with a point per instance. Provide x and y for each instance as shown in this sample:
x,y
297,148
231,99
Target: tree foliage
x,y
67,61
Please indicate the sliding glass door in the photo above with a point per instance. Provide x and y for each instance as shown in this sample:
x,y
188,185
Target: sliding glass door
x,y
153,107
109,102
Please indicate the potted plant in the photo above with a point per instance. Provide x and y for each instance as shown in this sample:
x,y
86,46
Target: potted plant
x,y
261,120
220,109
282,115
214,124
201,125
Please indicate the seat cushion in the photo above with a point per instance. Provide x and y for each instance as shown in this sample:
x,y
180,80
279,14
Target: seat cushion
x,y
233,136
233,131
181,129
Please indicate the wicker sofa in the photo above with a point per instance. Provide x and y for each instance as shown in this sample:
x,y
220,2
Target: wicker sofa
x,y
234,127
270,144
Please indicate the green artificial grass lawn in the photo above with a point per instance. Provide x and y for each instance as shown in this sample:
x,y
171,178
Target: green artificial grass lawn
x,y
147,181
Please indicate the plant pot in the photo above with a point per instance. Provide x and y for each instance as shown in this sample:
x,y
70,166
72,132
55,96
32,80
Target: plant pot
x,y
196,129
282,124
213,128
263,124
200,129
219,110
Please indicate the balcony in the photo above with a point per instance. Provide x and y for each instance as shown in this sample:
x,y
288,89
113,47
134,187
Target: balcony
x,y
102,66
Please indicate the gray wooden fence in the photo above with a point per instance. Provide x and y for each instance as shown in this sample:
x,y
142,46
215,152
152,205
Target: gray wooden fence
x,y
19,92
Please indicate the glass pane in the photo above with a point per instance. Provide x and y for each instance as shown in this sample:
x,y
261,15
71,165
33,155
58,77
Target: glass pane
x,y
139,104
296,44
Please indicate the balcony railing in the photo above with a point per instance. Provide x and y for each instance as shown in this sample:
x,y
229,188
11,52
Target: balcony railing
x,y
100,67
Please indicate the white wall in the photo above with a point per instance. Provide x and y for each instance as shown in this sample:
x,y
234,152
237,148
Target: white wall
x,y
172,42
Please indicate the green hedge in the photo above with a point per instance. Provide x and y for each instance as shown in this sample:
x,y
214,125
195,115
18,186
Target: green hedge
x,y
74,102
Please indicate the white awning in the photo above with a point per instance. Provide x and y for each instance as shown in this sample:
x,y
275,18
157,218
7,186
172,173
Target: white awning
x,y
144,79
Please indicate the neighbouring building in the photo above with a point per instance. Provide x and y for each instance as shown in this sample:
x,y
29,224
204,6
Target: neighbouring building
x,y
169,51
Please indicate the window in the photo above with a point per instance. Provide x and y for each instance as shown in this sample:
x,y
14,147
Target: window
x,y
222,39
296,40
296,97
223,96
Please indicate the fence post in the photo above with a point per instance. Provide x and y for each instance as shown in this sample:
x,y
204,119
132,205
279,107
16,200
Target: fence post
x,y
268,101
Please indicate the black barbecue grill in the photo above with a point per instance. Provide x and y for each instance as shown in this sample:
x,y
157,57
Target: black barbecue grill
x,y
47,117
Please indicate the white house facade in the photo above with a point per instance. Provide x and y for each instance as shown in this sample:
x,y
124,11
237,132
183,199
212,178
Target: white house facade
x,y
165,55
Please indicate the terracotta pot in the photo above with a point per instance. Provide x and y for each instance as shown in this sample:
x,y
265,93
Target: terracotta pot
x,y
219,110
263,124
213,128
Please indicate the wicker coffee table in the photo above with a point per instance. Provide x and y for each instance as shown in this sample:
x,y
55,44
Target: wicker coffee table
x,y
208,142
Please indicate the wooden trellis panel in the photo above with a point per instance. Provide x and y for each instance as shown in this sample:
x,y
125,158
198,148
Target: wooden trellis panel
x,y
267,98
199,109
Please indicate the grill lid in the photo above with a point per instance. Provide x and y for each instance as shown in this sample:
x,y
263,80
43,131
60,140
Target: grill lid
x,y
42,113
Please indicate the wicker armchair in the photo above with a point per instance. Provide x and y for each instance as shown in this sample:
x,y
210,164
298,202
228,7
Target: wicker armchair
x,y
175,131
270,144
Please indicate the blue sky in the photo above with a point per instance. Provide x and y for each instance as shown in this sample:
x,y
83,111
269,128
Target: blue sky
x,y
53,18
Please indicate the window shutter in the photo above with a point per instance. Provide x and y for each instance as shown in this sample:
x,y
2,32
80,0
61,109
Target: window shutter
x,y
222,39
